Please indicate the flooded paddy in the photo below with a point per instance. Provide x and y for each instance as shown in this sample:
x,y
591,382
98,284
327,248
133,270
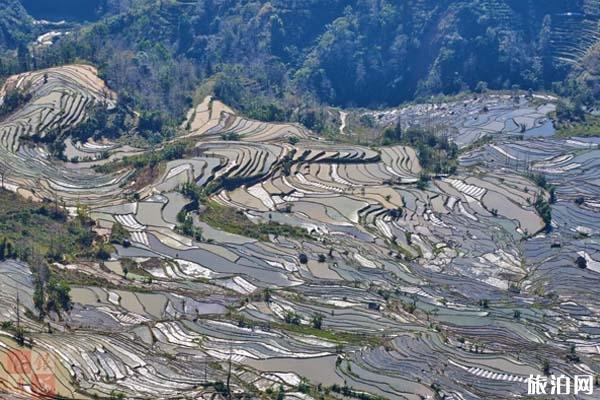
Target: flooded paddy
x,y
317,370
472,119
392,288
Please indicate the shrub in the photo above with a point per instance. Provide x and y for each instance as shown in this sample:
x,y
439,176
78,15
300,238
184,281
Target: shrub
x,y
543,209
581,262
317,321
118,234
291,318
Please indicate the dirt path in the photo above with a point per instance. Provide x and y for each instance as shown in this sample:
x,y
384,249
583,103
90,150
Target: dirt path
x,y
343,116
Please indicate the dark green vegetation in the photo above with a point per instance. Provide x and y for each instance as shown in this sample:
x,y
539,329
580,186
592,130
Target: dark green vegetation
x,y
436,153
149,159
186,226
13,100
571,118
229,220
66,9
29,230
119,235
197,194
293,324
101,122
588,125
225,218
542,206
15,24
543,209
40,234
147,165
542,182
50,294
279,61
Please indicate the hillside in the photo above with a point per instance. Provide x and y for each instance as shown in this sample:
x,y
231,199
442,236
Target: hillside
x,y
348,52
299,199
15,24
297,263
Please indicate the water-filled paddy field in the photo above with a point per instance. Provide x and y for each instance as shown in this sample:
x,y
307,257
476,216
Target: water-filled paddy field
x,y
359,276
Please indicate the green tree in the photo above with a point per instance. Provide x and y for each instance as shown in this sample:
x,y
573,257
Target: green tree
x,y
317,321
118,234
544,211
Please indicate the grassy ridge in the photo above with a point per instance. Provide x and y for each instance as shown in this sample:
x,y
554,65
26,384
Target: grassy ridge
x,y
229,220
43,229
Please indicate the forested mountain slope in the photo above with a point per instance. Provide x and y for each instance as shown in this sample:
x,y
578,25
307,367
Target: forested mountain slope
x,y
15,24
341,52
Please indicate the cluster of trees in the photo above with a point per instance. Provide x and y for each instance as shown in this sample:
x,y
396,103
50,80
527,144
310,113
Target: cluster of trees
x,y
171,151
293,318
232,221
545,212
436,153
13,99
348,391
225,218
16,25
274,62
26,226
75,10
101,122
198,194
580,94
239,92
50,294
186,225
541,205
120,235
7,249
267,99
542,182
385,52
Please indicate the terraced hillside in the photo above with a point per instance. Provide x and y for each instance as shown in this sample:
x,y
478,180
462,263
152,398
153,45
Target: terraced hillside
x,y
263,259
58,99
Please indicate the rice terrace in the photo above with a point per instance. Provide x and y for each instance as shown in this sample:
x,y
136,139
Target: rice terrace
x,y
175,227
